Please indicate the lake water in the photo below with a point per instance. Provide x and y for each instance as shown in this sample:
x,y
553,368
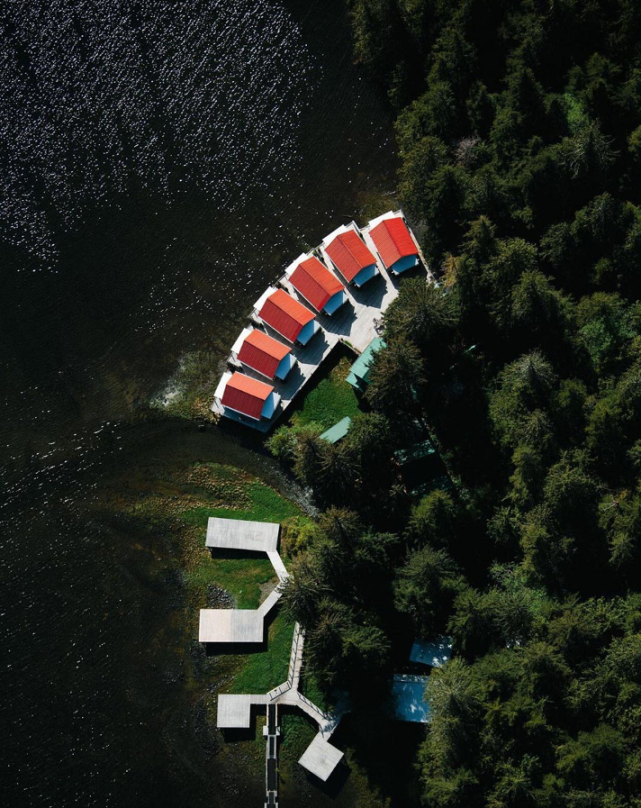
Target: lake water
x,y
160,163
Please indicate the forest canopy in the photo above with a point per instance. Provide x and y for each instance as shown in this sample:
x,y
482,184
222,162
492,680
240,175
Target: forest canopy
x,y
519,133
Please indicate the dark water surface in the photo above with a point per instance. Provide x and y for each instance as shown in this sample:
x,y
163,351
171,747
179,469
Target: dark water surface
x,y
160,162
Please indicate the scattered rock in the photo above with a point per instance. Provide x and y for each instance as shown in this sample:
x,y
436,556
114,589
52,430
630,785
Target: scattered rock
x,y
218,598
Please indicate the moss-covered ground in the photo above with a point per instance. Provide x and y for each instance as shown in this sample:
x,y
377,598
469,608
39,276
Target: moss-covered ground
x,y
331,400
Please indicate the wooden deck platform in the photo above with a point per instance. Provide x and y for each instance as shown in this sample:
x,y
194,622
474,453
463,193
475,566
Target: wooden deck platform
x,y
321,758
236,534
231,626
234,711
222,626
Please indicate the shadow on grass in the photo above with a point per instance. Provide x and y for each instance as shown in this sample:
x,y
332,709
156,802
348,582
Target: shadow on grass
x,y
386,750
214,649
335,783
242,555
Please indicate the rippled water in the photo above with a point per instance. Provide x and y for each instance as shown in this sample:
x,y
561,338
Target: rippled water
x,y
173,96
160,162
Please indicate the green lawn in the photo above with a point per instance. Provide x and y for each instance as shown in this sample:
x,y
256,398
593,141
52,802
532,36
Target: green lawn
x,y
262,671
241,577
298,732
265,505
330,401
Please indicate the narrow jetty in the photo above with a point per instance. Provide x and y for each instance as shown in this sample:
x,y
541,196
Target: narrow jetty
x,y
272,731
320,758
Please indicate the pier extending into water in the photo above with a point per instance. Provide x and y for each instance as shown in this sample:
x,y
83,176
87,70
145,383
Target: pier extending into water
x,y
321,757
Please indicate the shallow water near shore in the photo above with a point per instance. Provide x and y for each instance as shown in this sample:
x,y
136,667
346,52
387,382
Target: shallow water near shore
x,y
160,167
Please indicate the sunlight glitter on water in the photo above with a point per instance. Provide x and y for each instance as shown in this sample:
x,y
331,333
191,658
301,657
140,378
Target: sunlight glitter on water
x,y
93,94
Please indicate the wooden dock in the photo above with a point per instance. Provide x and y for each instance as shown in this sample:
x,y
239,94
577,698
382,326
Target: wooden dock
x,y
271,756
239,534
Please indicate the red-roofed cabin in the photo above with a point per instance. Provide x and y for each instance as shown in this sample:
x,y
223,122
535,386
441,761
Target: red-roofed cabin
x,y
264,354
247,396
317,285
287,316
350,255
394,243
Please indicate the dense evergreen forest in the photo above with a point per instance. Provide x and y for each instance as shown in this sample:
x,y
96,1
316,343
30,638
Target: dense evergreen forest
x,y
519,131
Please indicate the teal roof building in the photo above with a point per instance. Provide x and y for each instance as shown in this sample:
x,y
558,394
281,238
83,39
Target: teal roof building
x,y
358,375
338,431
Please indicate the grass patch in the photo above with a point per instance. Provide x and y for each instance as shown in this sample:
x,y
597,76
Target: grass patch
x,y
262,671
263,505
241,577
298,733
233,496
332,399
188,392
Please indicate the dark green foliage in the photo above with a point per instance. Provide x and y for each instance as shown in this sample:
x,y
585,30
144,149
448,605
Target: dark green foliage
x,y
338,592
434,521
395,378
425,588
425,314
519,132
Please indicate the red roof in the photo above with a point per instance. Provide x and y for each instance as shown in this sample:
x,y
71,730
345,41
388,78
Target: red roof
x,y
262,353
285,315
246,395
315,282
350,254
393,240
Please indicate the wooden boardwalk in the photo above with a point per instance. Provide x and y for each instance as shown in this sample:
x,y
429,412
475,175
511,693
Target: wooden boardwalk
x,y
320,758
222,626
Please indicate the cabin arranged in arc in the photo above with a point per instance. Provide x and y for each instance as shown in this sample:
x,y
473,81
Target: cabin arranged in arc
x,y
265,355
313,281
247,396
394,243
286,316
334,279
350,255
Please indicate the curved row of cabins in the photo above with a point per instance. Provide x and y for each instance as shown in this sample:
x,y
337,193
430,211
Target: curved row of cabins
x,y
346,260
